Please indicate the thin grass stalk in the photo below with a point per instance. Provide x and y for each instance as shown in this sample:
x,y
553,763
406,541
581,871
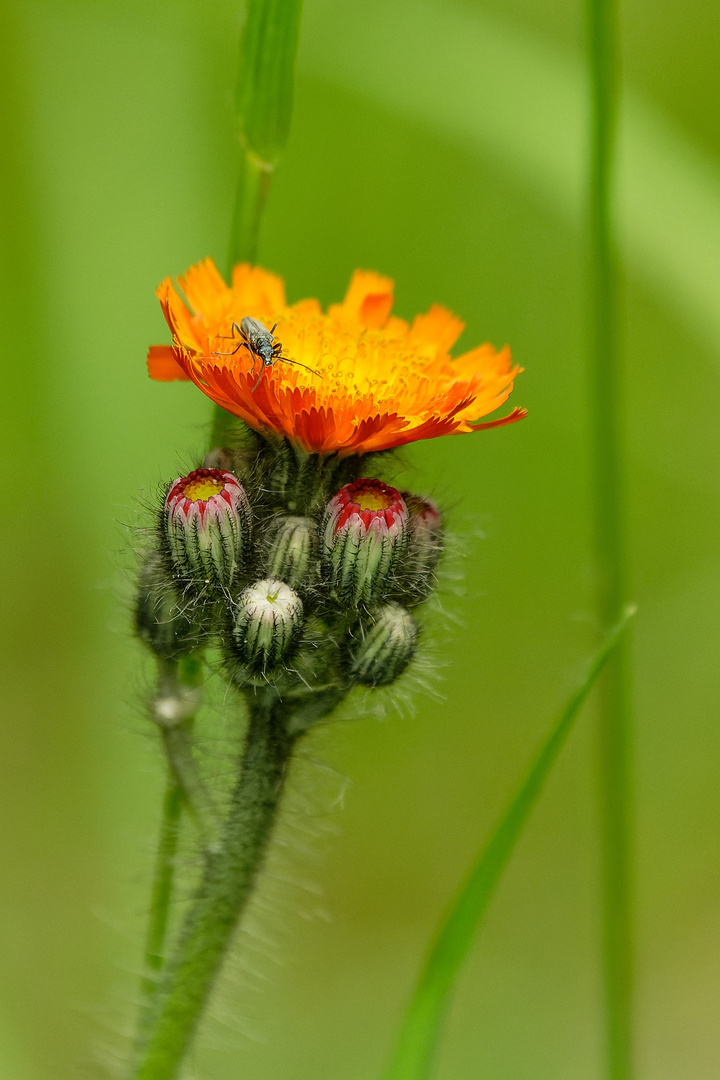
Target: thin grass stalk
x,y
268,49
420,1033
615,765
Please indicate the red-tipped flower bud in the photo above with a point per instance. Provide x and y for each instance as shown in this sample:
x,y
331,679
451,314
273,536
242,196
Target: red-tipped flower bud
x,y
386,647
207,521
268,620
364,535
291,550
425,546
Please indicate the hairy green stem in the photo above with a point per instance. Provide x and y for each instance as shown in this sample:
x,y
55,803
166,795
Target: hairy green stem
x,y
609,541
177,741
162,891
226,883
177,691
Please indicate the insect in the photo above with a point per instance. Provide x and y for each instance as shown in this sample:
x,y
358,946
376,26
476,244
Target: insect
x,y
260,343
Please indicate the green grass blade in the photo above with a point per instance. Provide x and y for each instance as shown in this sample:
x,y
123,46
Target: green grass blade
x,y
419,1035
605,391
268,50
267,75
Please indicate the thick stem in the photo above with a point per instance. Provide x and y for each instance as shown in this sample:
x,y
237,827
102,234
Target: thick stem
x,y
609,541
226,884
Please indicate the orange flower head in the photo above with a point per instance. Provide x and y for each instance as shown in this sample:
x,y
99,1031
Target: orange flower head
x,y
351,380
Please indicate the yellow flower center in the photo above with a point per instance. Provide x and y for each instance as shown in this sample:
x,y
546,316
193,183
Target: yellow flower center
x,y
203,488
373,500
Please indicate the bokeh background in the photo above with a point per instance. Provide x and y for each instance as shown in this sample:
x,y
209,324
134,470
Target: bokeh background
x,y
441,142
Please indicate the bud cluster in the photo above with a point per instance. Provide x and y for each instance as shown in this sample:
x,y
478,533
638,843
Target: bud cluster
x,y
313,593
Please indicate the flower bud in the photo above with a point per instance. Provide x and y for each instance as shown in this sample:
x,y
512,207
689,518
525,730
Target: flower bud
x,y
425,546
386,648
292,549
363,536
160,620
268,621
207,522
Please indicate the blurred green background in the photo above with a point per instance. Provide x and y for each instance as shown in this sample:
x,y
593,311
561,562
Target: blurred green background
x,y
442,143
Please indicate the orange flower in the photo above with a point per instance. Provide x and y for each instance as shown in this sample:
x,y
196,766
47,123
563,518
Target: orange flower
x,y
377,382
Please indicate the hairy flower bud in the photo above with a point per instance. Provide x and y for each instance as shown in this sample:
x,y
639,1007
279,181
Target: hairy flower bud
x,y
207,523
160,619
268,621
292,549
425,546
363,536
386,647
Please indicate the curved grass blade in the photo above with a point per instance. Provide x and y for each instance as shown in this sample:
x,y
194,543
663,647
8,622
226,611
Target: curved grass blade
x,y
420,1032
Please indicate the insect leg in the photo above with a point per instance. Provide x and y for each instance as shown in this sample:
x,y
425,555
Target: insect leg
x,y
240,345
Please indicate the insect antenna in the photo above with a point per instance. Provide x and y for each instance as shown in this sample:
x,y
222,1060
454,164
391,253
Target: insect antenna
x,y
296,363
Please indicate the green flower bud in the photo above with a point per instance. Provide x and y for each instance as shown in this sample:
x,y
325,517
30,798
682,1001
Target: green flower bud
x,y
363,536
161,621
207,525
268,621
386,647
425,547
292,550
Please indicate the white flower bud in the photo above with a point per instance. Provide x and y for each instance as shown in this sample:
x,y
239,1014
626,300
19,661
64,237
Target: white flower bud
x,y
268,621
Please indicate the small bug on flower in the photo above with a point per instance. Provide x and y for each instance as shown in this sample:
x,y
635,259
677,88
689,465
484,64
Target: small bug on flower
x,y
260,343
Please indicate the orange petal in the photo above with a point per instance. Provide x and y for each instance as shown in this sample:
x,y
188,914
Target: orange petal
x,y
366,284
163,366
375,309
438,326
205,289
257,290
516,414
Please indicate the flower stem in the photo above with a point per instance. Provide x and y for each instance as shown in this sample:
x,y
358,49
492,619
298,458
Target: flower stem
x,y
161,894
177,741
177,692
226,883
609,542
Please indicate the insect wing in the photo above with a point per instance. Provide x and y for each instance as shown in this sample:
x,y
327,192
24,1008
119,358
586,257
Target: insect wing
x,y
256,332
